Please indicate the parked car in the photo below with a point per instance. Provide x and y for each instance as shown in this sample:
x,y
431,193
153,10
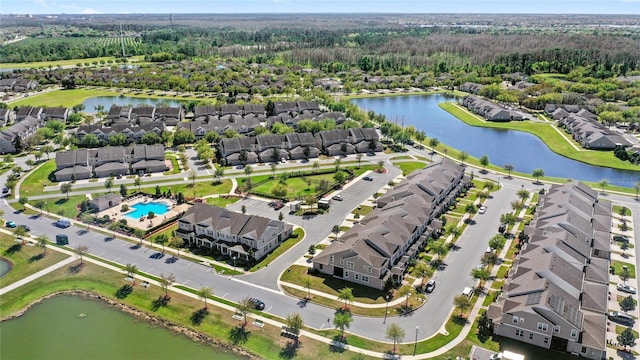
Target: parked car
x,y
431,285
621,318
368,178
63,223
338,197
257,303
626,288
278,205
283,160
620,238
5,190
482,209
11,224
25,227
502,228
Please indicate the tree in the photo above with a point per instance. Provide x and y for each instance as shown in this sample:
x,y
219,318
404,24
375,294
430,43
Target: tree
x,y
23,201
359,158
342,320
161,239
508,218
47,149
316,166
489,258
463,156
312,249
470,209
123,190
517,206
481,274
166,281
624,246
130,270
423,271
497,242
485,326
395,333
380,165
627,303
537,173
337,163
81,250
248,170
108,184
339,177
42,242
39,204
295,323
20,232
65,188
433,144
244,209
405,291
626,338
636,186
219,174
205,292
336,230
603,184
523,194
484,161
246,306
462,303
509,169
625,274
346,295
193,176
136,182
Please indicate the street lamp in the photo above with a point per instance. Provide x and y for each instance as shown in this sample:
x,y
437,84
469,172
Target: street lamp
x,y
415,346
387,297
234,263
46,205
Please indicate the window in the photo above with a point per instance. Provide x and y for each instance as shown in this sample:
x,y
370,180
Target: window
x,y
320,266
546,340
556,329
519,332
356,276
574,333
369,269
346,274
583,350
515,319
331,259
543,327
350,264
531,336
365,278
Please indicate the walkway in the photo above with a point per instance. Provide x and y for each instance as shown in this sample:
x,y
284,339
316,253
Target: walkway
x,y
37,275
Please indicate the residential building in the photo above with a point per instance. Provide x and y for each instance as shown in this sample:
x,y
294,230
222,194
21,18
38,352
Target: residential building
x,y
56,113
106,201
29,111
21,129
7,116
171,116
379,248
246,237
119,114
489,110
556,294
586,130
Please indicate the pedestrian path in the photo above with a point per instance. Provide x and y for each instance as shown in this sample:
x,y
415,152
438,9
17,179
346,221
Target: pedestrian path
x,y
37,275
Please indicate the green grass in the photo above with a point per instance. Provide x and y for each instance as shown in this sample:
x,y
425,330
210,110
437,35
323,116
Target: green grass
x,y
25,261
408,167
174,163
198,190
401,157
55,63
296,237
617,265
554,141
222,202
617,208
63,206
34,183
64,98
296,186
502,271
363,210
620,329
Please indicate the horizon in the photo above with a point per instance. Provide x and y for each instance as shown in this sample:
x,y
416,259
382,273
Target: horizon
x,y
239,7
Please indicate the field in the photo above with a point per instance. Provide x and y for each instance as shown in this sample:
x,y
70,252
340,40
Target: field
x,y
63,98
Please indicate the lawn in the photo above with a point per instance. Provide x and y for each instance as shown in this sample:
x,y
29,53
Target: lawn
x,y
297,187
296,237
408,167
63,206
174,164
56,63
63,98
265,342
198,190
222,201
363,210
554,141
25,260
617,265
35,182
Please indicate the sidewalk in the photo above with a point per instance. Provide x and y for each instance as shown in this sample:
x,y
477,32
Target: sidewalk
x,y
37,275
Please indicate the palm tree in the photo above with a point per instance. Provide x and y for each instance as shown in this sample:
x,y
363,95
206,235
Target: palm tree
x,y
346,294
204,293
463,156
603,184
81,250
248,170
219,173
337,163
20,232
246,306
108,184
523,194
65,188
537,173
136,182
336,230
342,320
396,334
274,166
462,303
130,269
166,281
294,324
161,239
42,241
433,144
422,270
193,176
316,166
380,165
509,169
637,188
484,161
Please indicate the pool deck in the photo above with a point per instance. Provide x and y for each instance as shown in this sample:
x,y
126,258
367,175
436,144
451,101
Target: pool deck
x,y
144,224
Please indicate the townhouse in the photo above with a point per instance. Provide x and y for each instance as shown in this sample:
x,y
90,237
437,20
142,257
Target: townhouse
x,y
20,130
240,236
489,110
585,129
134,133
109,161
377,250
556,293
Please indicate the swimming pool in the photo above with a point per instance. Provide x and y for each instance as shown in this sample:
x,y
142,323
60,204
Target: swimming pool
x,y
142,209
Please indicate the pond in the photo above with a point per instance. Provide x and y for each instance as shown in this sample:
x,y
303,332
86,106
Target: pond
x,y
5,267
524,151
53,330
108,101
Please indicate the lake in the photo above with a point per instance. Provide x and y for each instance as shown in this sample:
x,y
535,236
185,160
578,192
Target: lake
x,y
524,151
107,101
53,330
5,266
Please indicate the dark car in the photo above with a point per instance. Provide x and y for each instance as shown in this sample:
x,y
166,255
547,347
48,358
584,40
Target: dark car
x,y
5,190
25,227
502,228
257,304
368,178
620,238
11,224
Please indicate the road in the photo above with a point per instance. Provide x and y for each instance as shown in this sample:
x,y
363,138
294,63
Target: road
x,y
263,284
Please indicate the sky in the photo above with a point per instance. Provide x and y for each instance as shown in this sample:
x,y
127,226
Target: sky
x,y
320,6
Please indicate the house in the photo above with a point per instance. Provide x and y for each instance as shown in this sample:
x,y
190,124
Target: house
x,y
105,202
56,113
203,113
588,132
171,116
23,85
147,159
556,294
379,248
270,147
6,85
334,142
119,114
26,111
470,87
301,146
7,116
240,150
241,236
73,165
143,114
110,161
365,140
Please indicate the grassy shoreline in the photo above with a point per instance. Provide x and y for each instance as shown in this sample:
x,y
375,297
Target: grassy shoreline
x,y
69,62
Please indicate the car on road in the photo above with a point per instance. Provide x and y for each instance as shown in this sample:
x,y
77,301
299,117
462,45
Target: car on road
x,y
11,224
368,178
626,288
25,227
482,209
620,238
257,303
431,285
502,228
278,205
338,197
283,160
5,190
63,223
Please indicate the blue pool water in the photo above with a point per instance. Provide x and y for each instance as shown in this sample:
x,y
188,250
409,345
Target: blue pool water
x,y
142,209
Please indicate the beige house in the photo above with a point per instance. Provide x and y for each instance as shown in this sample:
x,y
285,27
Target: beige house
x,y
556,295
379,248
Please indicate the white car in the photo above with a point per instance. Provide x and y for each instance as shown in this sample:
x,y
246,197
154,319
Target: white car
x,y
626,288
482,209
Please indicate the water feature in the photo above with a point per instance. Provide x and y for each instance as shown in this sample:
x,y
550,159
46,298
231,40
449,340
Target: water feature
x,y
5,267
143,209
524,151
107,101
53,330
